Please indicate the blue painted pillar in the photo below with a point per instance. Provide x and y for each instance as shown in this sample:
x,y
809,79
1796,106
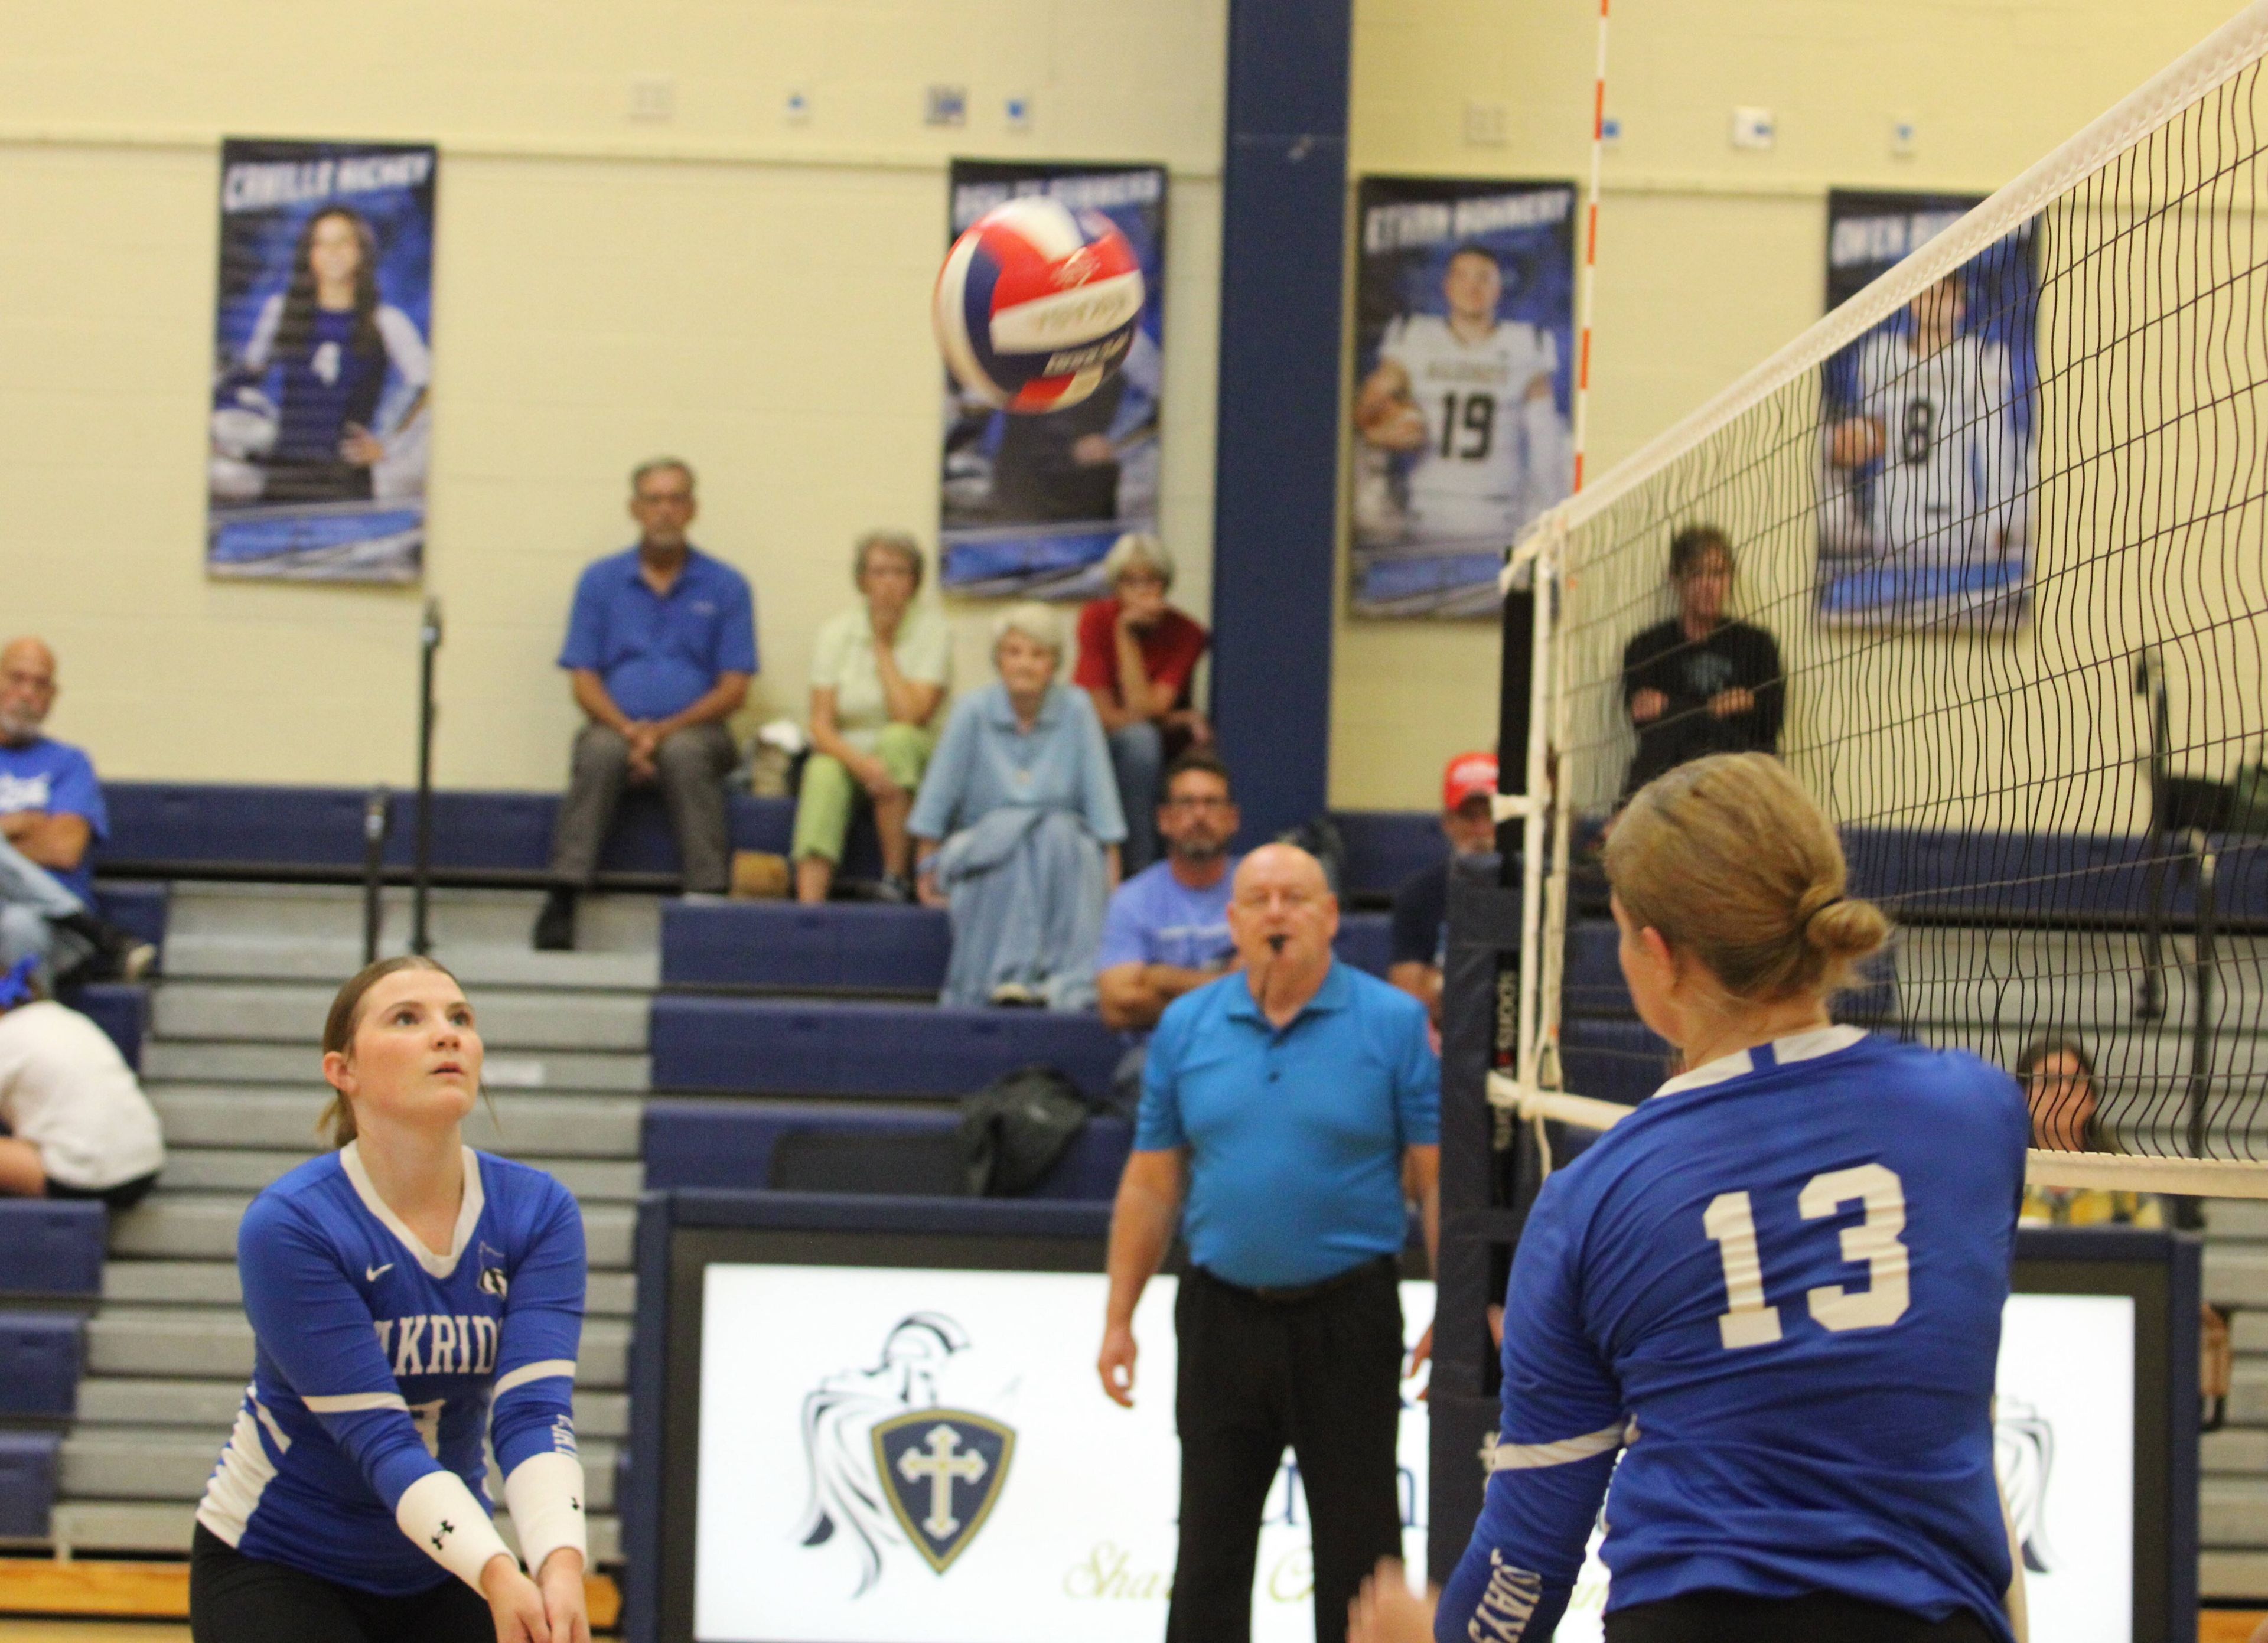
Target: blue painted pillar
x,y
1275,472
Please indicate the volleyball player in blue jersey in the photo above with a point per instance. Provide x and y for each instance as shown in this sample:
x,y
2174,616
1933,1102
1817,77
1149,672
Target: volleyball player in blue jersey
x,y
410,1296
1775,1289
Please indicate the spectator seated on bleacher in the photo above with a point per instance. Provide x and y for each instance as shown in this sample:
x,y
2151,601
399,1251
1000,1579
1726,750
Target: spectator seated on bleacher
x,y
1165,931
2058,1078
51,818
77,1123
879,673
1421,901
1137,656
1017,827
660,645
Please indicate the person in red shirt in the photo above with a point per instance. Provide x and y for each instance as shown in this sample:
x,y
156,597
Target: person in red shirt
x,y
1136,655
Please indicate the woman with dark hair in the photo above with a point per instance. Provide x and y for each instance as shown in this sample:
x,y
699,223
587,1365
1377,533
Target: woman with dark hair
x,y
410,1298
2058,1078
1700,682
333,343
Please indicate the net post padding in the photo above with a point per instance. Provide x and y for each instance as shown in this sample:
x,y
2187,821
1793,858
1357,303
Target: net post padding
x,y
2193,1177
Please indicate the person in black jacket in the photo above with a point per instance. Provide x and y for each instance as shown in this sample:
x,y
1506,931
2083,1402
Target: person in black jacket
x,y
1700,682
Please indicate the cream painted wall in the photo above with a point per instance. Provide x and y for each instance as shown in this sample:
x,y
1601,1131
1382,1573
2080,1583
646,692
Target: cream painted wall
x,y
749,295
1710,258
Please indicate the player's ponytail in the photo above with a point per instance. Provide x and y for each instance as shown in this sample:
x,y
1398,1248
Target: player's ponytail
x,y
338,1123
1729,859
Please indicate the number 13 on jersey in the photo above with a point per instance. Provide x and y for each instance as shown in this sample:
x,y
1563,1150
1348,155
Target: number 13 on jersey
x,y
1731,1223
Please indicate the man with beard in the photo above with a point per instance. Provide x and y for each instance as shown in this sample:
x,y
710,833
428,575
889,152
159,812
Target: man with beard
x,y
51,817
1165,931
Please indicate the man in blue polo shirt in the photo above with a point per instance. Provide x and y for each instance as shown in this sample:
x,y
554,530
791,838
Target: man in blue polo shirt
x,y
661,647
1286,1110
51,818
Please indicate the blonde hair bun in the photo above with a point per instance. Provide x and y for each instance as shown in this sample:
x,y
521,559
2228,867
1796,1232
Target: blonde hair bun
x,y
1732,861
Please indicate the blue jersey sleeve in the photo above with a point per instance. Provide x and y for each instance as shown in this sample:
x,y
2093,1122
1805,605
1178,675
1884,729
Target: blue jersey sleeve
x,y
585,647
533,1411
1563,1423
317,1329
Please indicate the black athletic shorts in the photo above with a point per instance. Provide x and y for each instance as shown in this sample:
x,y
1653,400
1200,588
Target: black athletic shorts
x,y
124,1195
236,1599
1817,1617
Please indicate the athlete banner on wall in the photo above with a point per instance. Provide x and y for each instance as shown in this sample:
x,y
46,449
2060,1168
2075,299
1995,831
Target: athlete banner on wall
x,y
1464,329
1929,436
319,429
1030,504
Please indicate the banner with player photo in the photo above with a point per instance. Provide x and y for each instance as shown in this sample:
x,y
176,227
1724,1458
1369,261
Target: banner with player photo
x,y
1030,504
319,431
1464,332
1929,436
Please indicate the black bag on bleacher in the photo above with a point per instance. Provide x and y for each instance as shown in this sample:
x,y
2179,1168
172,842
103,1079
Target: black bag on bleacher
x,y
1013,1131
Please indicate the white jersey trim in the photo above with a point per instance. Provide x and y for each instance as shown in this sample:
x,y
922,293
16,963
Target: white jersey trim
x,y
232,1493
469,1213
1824,1041
354,1402
1522,1457
543,1371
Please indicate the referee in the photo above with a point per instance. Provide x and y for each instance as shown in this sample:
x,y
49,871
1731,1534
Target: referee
x,y
1292,1104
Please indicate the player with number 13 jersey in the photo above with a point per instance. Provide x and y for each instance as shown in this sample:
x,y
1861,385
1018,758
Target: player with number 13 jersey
x,y
1775,1289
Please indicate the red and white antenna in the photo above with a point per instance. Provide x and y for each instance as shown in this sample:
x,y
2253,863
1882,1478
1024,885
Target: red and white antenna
x,y
1590,250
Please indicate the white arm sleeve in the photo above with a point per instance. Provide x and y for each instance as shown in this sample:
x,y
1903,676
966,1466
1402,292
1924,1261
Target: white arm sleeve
x,y
411,359
545,1497
260,348
450,1526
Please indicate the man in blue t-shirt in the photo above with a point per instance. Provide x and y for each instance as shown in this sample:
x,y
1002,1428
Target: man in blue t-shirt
x,y
660,647
51,818
1165,931
1292,1106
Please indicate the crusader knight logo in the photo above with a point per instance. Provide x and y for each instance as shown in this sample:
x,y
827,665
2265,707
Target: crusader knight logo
x,y
889,1466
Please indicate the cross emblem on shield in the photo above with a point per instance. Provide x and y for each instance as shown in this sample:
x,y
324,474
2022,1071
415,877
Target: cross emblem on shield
x,y
942,1470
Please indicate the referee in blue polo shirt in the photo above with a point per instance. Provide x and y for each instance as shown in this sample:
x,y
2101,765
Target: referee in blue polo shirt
x,y
660,647
1289,1111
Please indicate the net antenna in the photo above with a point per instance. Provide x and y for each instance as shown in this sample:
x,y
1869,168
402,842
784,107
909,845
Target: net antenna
x,y
2004,514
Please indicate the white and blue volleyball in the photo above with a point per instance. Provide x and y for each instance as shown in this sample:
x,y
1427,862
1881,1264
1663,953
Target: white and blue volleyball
x,y
1036,304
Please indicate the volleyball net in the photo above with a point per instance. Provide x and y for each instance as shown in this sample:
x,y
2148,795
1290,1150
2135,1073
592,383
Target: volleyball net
x,y
2004,518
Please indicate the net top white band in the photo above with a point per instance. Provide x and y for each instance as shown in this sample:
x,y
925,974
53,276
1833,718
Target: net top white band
x,y
2242,40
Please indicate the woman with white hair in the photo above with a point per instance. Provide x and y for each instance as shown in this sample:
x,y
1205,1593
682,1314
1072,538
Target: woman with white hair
x,y
1136,657
1017,827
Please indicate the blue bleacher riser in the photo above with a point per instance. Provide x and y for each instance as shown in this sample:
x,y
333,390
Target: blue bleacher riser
x,y
1384,847
138,907
1593,984
52,1247
710,1144
30,1466
862,946
121,1009
40,1355
779,1047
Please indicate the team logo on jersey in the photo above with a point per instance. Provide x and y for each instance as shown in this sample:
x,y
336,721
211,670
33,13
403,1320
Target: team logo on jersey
x,y
493,1281
2023,1443
891,1465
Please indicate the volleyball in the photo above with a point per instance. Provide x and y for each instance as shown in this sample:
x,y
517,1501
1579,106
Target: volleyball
x,y
1036,304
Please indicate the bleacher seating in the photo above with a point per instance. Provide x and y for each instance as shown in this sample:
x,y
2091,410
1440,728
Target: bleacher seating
x,y
736,1145
860,947
138,907
30,1463
51,1247
40,1355
783,1047
121,1009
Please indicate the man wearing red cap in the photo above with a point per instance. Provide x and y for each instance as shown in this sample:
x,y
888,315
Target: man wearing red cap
x,y
1421,904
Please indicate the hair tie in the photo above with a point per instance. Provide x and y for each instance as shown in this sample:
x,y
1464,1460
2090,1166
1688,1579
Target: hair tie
x,y
1822,908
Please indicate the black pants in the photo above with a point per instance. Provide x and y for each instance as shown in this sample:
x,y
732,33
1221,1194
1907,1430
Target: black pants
x,y
1818,1618
124,1195
1322,1374
236,1599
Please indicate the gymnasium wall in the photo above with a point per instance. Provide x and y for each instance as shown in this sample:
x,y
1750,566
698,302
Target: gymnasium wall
x,y
1710,257
747,294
